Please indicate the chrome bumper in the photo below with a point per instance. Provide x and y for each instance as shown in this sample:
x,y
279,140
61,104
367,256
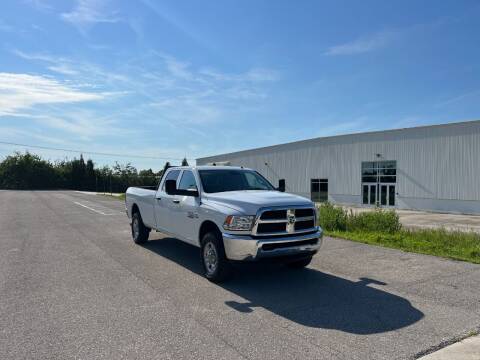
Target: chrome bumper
x,y
244,247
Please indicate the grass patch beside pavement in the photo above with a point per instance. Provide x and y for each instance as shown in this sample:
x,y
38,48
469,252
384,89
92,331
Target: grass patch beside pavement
x,y
116,197
439,242
383,228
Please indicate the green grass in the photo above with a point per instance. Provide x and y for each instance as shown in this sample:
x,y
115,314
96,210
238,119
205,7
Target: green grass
x,y
383,228
121,197
439,242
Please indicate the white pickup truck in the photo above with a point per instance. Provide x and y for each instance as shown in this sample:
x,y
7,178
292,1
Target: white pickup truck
x,y
231,213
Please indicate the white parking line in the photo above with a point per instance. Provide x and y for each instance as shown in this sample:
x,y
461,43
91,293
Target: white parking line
x,y
95,210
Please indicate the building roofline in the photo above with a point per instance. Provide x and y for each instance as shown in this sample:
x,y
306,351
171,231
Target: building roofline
x,y
375,132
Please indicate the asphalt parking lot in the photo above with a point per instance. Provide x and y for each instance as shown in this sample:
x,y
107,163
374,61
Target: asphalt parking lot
x,y
73,285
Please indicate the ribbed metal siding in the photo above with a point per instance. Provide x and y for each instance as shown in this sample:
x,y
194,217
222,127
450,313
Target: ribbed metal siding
x,y
434,162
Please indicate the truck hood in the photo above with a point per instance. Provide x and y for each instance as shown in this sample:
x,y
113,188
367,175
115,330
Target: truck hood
x,y
249,201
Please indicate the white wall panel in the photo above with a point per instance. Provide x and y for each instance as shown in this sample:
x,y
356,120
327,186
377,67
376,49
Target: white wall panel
x,y
440,162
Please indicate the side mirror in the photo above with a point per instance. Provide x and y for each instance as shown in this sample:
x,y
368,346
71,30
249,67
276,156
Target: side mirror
x,y
171,187
281,185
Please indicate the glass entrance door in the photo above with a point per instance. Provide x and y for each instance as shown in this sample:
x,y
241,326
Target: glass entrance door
x,y
387,195
370,194
383,195
373,195
378,182
391,195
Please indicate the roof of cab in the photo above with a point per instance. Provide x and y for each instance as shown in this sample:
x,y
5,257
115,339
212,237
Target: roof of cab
x,y
209,167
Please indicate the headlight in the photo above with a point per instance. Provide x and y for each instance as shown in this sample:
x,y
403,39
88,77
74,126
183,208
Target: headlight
x,y
238,223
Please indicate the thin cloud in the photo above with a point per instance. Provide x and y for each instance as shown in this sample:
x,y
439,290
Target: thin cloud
x,y
23,91
89,12
190,110
170,17
383,38
177,68
456,99
15,133
39,57
167,91
361,45
63,69
40,5
252,75
84,124
345,127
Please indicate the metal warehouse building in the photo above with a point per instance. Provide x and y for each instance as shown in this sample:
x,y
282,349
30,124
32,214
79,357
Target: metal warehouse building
x,y
433,168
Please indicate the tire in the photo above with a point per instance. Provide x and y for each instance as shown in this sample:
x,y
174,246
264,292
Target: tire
x,y
300,264
139,231
216,266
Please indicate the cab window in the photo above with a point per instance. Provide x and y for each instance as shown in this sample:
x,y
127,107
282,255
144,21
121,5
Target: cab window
x,y
188,181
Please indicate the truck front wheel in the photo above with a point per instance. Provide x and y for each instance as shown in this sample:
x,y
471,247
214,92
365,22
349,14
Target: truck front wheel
x,y
139,231
215,264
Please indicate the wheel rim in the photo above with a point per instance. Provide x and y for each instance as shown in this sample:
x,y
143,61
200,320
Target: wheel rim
x,y
135,227
210,258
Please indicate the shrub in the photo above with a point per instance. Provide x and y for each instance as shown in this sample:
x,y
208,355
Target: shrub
x,y
335,218
332,218
385,221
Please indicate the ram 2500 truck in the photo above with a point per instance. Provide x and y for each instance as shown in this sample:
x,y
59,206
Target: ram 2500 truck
x,y
230,213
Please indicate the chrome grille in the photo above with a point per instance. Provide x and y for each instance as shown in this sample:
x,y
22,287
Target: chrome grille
x,y
284,221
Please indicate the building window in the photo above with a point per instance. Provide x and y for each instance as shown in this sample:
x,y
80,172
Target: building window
x,y
379,171
319,190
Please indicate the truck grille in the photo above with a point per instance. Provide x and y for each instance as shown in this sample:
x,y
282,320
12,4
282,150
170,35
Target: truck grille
x,y
274,215
285,221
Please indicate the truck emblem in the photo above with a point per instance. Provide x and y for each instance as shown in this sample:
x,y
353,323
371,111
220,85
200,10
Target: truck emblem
x,y
291,219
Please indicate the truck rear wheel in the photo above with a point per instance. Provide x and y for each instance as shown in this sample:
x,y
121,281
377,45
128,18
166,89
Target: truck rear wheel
x,y
139,231
215,263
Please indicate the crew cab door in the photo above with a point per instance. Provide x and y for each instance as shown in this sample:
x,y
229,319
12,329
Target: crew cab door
x,y
186,219
163,205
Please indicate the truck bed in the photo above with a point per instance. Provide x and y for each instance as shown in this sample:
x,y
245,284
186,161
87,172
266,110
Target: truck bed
x,y
145,199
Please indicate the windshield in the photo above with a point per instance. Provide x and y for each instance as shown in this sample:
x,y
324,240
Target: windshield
x,y
214,181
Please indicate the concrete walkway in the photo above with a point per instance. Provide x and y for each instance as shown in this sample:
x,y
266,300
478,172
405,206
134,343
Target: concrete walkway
x,y
415,219
467,349
422,219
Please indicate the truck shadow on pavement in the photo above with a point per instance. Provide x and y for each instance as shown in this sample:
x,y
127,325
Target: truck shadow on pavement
x,y
308,297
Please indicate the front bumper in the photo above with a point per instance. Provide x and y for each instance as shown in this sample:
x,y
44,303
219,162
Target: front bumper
x,y
245,247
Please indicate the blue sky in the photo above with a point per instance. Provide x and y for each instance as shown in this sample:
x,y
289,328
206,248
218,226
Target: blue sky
x,y
197,78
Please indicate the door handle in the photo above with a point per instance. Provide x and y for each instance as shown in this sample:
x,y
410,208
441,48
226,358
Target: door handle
x,y
176,201
158,199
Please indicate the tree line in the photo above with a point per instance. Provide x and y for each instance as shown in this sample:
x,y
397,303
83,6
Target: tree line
x,y
27,171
